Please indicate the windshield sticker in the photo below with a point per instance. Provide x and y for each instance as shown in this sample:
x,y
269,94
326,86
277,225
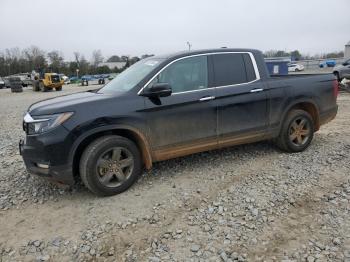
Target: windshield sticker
x,y
151,62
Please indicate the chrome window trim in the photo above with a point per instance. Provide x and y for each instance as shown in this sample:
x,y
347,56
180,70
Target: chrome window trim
x,y
255,66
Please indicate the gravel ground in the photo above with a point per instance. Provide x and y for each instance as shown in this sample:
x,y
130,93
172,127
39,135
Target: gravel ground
x,y
246,203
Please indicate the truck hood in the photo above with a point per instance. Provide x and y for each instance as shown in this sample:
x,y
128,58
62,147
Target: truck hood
x,y
67,103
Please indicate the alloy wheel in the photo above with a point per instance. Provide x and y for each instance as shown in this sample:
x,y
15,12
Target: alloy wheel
x,y
299,131
115,166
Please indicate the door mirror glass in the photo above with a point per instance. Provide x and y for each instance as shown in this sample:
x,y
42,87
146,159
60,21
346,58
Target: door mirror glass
x,y
158,90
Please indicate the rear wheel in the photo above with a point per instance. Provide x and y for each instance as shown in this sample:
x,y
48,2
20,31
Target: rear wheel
x,y
110,165
297,131
59,88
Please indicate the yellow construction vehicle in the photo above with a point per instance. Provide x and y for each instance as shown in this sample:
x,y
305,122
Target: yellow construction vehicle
x,y
48,82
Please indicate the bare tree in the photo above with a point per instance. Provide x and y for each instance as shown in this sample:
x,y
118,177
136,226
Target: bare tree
x,y
56,60
97,58
77,56
35,57
83,65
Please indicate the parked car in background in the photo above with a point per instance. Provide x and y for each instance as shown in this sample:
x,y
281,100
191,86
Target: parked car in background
x,y
7,82
65,79
343,70
295,67
94,79
2,83
327,63
74,80
112,76
170,106
25,78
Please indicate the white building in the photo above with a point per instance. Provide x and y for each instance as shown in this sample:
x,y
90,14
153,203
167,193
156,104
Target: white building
x,y
347,51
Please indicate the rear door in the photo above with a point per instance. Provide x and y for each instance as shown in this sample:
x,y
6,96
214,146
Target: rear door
x,y
240,95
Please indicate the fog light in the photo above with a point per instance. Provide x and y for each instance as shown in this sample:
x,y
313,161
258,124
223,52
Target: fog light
x,y
42,165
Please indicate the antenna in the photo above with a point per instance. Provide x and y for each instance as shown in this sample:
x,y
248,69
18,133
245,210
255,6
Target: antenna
x,y
189,46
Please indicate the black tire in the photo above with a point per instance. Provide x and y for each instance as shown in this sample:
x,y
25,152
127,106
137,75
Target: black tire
x,y
285,139
336,74
36,85
42,87
58,88
17,89
91,174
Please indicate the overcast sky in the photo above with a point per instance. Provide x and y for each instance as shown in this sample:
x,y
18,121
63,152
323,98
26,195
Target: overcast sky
x,y
133,27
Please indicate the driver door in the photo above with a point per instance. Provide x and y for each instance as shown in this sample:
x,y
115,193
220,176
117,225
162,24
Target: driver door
x,y
184,122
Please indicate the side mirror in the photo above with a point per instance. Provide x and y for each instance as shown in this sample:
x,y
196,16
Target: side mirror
x,y
158,90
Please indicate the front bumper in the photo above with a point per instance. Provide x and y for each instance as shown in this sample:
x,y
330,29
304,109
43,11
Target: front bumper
x,y
45,155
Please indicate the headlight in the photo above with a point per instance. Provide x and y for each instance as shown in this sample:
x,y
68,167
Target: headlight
x,y
40,124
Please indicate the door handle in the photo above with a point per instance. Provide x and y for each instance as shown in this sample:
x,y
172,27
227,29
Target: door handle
x,y
256,90
207,98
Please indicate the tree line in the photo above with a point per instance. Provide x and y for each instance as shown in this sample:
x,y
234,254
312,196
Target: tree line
x,y
297,55
15,60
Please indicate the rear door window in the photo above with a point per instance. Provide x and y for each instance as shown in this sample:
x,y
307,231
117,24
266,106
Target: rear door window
x,y
251,76
232,69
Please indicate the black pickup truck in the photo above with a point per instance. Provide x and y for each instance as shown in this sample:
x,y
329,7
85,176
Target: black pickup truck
x,y
170,106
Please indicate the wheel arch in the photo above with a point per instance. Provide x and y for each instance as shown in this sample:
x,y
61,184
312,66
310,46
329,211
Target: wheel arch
x,y
125,131
307,105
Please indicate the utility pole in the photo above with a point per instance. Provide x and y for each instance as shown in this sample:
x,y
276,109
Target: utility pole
x,y
189,46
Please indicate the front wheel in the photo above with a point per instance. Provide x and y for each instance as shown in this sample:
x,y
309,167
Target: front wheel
x,y
110,165
297,131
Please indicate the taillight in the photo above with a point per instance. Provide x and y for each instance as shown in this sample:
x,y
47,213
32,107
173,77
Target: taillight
x,y
335,88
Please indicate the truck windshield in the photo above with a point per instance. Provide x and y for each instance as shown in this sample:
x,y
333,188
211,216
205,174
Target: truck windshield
x,y
129,78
